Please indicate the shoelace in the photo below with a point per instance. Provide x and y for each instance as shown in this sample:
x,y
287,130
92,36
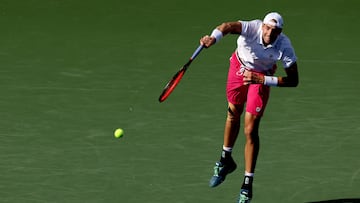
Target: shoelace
x,y
217,169
244,197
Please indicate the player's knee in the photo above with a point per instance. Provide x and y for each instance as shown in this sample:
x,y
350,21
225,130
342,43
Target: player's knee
x,y
251,133
233,114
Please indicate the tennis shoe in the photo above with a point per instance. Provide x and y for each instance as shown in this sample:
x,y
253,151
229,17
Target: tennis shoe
x,y
245,196
220,172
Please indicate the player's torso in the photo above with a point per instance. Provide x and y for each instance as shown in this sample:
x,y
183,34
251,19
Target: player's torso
x,y
255,55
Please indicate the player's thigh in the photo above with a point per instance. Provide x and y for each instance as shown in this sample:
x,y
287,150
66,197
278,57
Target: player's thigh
x,y
257,98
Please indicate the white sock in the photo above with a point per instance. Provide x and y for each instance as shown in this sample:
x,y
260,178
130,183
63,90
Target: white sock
x,y
228,149
249,174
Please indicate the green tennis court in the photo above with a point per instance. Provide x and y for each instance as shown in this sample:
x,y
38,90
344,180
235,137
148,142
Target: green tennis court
x,y
74,71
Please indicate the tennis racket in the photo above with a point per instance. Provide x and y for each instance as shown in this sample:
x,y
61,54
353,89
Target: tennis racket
x,y
170,86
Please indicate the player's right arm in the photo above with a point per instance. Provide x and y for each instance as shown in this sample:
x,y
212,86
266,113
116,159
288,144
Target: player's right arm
x,y
220,31
230,27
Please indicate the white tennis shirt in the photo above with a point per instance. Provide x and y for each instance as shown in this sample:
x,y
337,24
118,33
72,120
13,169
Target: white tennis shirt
x,y
255,55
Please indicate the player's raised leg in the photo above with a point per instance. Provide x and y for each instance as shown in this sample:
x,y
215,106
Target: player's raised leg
x,y
226,164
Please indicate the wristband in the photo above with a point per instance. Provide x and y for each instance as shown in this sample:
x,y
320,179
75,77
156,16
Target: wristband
x,y
217,34
270,81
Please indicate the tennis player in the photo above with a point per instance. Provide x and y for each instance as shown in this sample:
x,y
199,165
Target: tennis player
x,y
261,43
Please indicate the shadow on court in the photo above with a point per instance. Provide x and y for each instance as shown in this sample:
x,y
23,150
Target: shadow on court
x,y
357,200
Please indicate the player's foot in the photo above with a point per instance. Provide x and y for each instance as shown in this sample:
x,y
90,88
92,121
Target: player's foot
x,y
220,172
245,196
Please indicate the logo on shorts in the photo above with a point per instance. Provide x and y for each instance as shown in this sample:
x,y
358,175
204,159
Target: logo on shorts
x,y
240,72
258,109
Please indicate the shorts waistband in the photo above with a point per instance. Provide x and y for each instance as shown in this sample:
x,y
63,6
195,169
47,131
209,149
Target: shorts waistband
x,y
239,59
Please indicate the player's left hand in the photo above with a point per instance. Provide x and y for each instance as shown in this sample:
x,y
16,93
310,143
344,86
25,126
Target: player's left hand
x,y
251,77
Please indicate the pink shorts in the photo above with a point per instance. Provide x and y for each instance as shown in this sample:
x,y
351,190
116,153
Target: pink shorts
x,y
255,95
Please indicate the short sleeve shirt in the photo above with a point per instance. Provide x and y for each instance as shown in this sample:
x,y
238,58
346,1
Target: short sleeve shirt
x,y
255,55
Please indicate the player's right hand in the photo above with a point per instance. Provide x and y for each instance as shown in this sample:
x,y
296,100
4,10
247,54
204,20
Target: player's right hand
x,y
207,41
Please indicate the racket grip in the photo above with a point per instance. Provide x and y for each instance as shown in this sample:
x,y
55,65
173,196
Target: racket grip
x,y
197,52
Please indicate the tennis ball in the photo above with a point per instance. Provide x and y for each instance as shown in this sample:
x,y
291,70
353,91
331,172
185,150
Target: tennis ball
x,y
119,133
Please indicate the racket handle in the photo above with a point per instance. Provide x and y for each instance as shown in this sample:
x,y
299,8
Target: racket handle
x,y
197,52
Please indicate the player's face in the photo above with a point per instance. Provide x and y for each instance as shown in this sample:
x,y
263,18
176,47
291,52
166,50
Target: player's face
x,y
269,33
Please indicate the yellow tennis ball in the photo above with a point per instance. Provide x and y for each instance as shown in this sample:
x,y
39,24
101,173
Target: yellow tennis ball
x,y
119,133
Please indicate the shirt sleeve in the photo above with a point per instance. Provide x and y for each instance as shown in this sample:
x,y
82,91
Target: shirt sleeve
x,y
288,55
249,27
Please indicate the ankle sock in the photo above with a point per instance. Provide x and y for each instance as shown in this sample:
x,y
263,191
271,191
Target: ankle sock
x,y
225,156
228,149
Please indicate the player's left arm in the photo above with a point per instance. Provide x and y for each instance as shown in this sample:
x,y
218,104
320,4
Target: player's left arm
x,y
290,80
292,77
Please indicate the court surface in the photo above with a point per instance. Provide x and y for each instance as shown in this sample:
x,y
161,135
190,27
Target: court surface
x,y
72,72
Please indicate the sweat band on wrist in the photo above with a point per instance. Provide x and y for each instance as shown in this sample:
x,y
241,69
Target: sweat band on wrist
x,y
270,80
217,34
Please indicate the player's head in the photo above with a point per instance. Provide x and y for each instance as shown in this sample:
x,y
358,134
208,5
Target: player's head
x,y
274,19
272,27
